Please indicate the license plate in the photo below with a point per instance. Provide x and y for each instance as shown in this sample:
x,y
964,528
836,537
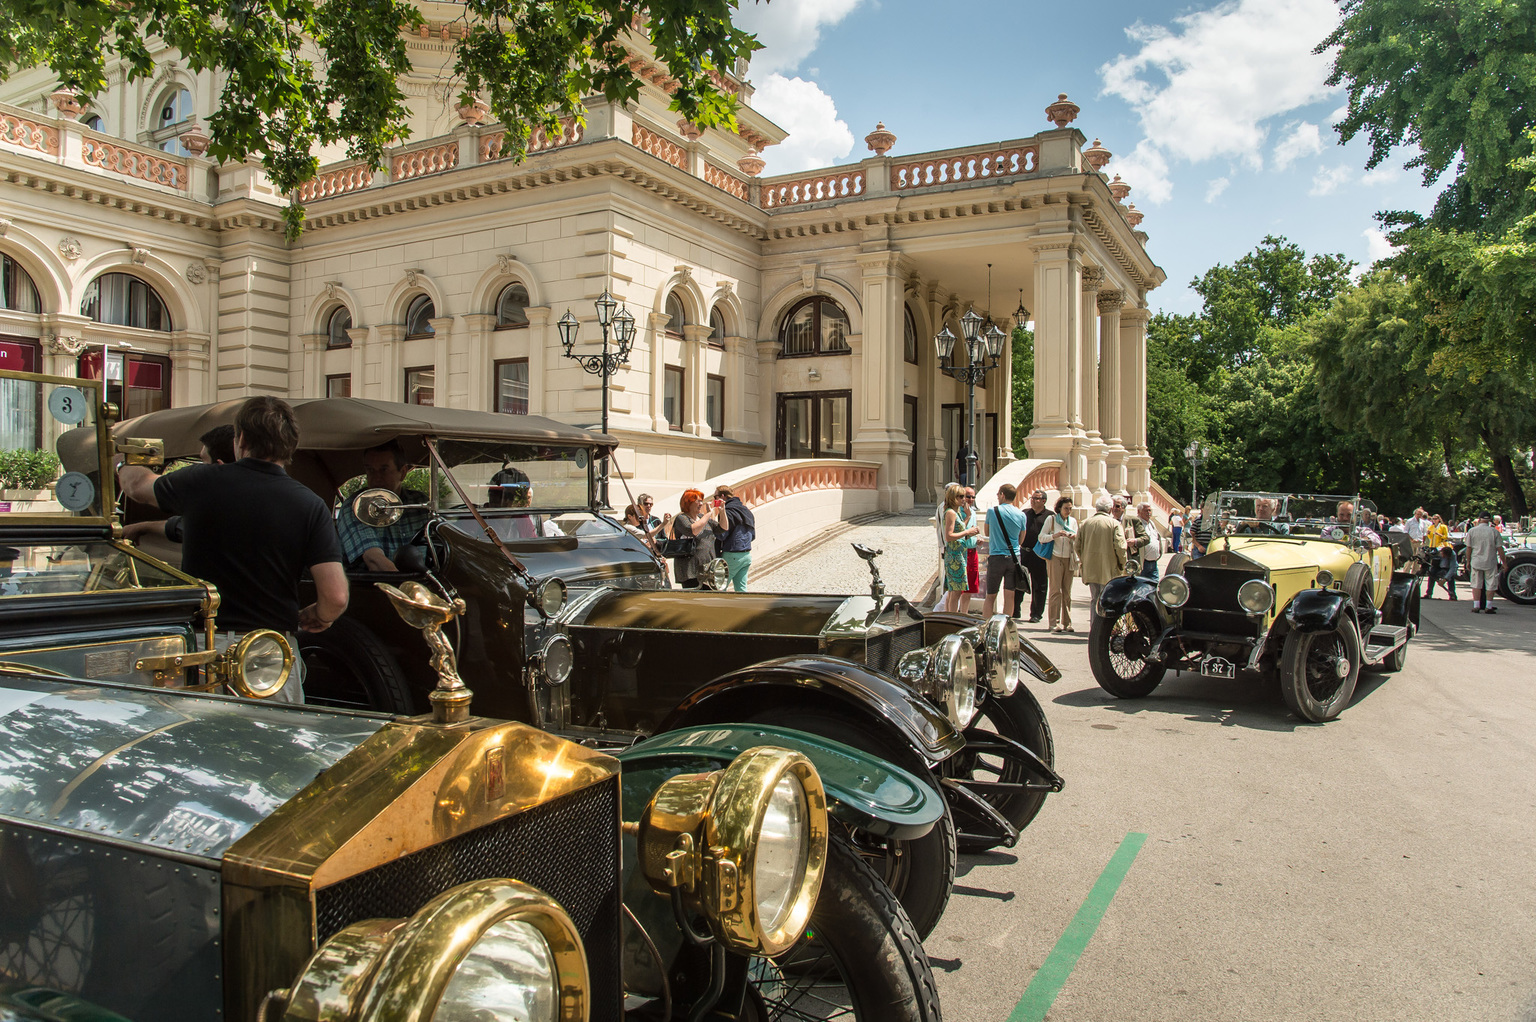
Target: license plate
x,y
1218,667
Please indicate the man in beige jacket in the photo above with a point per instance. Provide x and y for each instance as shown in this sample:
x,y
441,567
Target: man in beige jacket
x,y
1101,549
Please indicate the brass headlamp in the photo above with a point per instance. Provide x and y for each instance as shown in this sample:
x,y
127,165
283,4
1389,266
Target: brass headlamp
x,y
744,847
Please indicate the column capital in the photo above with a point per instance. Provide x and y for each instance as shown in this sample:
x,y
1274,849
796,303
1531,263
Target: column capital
x,y
1093,278
696,333
1135,314
1111,300
357,334
314,342
881,264
482,320
1056,246
769,350
538,315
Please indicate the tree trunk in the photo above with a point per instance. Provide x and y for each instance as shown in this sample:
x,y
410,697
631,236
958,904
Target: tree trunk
x,y
1504,465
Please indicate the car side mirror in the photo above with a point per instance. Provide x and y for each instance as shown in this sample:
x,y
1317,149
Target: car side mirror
x,y
379,508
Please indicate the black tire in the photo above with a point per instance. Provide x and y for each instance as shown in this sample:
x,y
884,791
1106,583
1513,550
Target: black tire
x,y
1395,661
347,666
920,872
860,955
1308,679
1020,718
1117,651
1518,584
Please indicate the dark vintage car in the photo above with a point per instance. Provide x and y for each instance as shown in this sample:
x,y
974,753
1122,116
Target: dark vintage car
x,y
568,627
1293,585
174,847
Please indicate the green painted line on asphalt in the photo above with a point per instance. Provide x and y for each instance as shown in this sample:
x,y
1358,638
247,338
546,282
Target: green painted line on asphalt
x,y
1058,966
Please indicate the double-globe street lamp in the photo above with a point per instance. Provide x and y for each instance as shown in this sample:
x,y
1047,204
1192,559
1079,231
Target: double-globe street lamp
x,y
984,350
605,364
1196,454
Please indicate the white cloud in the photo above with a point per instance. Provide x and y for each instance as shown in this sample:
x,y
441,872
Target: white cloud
x,y
817,137
1146,170
1329,180
1304,139
1376,245
1385,174
788,29
1207,87
1213,189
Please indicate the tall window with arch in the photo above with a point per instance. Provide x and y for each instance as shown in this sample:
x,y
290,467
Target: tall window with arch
x,y
336,327
908,336
817,326
17,291
172,116
512,307
122,299
716,328
418,317
93,120
678,314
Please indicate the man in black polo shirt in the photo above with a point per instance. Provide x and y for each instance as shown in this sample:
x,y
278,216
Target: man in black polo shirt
x,y
1034,517
251,530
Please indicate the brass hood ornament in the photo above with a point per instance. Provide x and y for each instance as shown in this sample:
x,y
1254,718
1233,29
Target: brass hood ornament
x,y
428,612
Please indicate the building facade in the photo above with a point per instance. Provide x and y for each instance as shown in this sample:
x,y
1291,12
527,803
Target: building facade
x,y
783,317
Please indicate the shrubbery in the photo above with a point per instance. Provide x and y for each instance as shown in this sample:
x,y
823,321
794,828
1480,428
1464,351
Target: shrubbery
x,y
28,470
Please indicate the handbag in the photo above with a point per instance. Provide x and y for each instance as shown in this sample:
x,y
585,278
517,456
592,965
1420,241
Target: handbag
x,y
678,546
1045,550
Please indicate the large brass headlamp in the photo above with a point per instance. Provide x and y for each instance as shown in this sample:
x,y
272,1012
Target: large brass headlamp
x,y
489,945
258,665
945,673
744,847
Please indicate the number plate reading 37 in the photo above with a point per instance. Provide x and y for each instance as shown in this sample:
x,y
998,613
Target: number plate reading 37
x,y
1218,667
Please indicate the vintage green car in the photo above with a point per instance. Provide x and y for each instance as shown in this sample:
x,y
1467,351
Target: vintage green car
x,y
174,846
568,626
1294,584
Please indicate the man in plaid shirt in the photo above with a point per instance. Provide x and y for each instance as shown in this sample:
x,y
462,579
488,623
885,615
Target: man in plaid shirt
x,y
365,548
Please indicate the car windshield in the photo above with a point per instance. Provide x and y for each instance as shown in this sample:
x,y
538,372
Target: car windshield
x,y
47,569
1309,515
511,528
50,454
520,477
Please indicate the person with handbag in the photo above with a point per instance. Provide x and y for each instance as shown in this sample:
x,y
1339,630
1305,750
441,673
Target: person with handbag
x,y
691,537
1058,546
1005,530
959,527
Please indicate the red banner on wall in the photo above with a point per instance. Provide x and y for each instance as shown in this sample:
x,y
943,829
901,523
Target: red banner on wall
x,y
21,358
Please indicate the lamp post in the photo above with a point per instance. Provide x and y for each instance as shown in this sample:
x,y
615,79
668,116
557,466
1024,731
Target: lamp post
x,y
606,364
1196,454
983,349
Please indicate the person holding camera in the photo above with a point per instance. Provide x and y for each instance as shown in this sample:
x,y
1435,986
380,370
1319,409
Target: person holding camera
x,y
698,519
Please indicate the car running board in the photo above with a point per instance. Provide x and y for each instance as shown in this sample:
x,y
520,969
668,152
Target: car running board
x,y
1383,641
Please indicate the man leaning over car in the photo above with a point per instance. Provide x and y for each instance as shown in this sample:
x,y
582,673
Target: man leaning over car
x,y
251,530
369,549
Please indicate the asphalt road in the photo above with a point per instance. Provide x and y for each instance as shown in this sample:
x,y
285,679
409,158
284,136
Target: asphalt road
x,y
1378,867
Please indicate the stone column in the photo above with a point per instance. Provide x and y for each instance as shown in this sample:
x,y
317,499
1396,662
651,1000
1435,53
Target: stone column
x,y
359,336
658,336
253,318
479,381
768,394
543,356
1058,432
695,378
1110,302
930,409
442,346
879,434
314,351
1133,416
1004,404
737,351
383,374
1093,445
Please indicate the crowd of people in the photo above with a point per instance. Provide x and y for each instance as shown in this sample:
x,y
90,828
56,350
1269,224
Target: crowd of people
x,y
702,530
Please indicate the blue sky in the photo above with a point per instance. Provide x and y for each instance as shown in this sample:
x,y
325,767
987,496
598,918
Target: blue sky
x,y
1217,113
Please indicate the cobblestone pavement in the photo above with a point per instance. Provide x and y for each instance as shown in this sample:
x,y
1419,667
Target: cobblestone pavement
x,y
826,563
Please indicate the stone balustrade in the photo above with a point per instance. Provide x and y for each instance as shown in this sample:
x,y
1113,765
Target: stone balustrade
x,y
429,159
725,181
131,161
1045,477
972,164
819,187
351,177
801,476
493,146
20,130
659,146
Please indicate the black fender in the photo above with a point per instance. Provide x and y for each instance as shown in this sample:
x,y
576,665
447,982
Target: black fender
x,y
1316,610
1120,594
848,689
1402,604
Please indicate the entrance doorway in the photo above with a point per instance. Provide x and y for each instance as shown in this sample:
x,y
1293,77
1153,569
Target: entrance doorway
x,y
815,425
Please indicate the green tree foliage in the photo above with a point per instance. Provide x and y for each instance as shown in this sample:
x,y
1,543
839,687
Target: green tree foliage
x,y
1023,350
302,74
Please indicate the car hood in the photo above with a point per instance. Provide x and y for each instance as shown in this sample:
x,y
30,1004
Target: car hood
x,y
1280,554
702,611
177,772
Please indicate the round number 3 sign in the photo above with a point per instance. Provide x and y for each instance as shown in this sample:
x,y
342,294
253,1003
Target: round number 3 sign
x,y
67,404
75,491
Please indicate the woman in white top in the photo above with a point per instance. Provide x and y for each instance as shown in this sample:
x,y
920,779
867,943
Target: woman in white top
x,y
1060,530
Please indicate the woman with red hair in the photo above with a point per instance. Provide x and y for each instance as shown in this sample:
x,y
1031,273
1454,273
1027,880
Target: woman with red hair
x,y
700,521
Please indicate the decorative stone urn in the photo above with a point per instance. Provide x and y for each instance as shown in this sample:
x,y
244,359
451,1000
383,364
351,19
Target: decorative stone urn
x,y
1133,215
66,102
1062,112
880,140
1119,189
473,113
195,140
752,164
1096,155
689,130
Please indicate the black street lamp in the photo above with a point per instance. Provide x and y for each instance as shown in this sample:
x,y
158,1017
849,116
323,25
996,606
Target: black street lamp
x,y
1196,454
605,364
984,349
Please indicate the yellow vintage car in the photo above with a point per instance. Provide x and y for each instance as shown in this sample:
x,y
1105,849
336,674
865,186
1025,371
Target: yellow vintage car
x,y
1294,584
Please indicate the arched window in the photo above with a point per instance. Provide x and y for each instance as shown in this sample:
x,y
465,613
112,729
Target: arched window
x,y
679,318
17,292
817,326
336,328
124,300
512,307
716,328
909,336
93,121
172,117
418,318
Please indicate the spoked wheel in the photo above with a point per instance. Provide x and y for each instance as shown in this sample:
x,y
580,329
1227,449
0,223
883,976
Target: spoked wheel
x,y
920,871
346,667
1519,583
860,958
1318,671
1119,650
1019,718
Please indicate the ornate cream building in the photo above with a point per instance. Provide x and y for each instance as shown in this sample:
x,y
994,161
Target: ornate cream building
x,y
781,318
